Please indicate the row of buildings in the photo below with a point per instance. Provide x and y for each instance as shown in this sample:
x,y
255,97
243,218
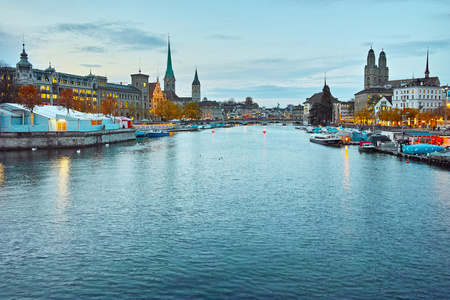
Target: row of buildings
x,y
425,93
137,99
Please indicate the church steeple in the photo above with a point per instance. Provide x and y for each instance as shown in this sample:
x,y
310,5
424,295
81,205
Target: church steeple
x,y
169,78
196,92
196,81
427,72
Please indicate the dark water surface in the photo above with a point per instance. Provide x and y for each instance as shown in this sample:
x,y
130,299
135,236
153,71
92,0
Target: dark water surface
x,y
230,214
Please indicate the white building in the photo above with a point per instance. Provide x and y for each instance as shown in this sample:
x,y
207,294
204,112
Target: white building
x,y
418,95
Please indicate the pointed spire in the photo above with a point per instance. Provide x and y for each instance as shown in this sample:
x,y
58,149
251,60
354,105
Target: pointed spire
x,y
427,71
169,70
325,79
196,81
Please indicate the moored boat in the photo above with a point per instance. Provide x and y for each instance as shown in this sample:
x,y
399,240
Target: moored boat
x,y
326,139
365,146
157,133
140,134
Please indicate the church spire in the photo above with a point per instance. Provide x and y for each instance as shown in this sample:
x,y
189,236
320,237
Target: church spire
x,y
169,70
427,72
325,79
196,81
169,78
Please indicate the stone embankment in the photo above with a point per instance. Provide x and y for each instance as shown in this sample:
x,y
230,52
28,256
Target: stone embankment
x,y
63,139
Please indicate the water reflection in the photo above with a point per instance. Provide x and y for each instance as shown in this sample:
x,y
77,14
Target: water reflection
x,y
2,174
346,169
63,164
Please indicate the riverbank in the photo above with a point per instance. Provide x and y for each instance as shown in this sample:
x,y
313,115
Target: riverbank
x,y
63,139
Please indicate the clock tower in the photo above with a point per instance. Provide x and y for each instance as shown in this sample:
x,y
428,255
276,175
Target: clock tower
x,y
196,93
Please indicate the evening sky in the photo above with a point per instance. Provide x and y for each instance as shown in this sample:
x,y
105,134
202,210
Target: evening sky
x,y
273,51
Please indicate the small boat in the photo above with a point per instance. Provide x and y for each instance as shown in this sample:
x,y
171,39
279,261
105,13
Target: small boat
x,y
140,134
365,146
326,139
157,133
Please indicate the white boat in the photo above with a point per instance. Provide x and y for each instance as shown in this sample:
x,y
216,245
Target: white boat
x,y
366,147
309,129
326,139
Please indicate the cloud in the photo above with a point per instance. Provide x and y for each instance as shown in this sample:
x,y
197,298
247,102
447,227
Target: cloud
x,y
415,48
118,34
223,37
90,66
93,49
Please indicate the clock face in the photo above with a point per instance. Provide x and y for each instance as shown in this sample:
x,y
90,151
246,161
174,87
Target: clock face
x,y
195,88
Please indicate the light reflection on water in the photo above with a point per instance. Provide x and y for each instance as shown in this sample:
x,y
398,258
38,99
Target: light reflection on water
x,y
63,168
2,174
231,214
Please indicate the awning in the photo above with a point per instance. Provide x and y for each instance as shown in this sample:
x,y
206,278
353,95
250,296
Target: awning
x,y
421,133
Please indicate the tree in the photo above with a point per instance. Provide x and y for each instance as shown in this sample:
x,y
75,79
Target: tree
x,y
9,87
363,115
84,106
108,106
321,112
373,100
192,111
30,97
167,110
425,117
66,99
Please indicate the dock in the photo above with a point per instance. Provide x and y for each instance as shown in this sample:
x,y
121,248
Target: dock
x,y
435,160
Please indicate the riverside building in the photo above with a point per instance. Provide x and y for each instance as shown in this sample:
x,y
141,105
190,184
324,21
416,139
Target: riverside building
x,y
421,93
90,90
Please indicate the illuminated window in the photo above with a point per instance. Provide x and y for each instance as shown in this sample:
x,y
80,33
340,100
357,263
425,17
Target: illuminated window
x,y
126,104
121,104
43,96
62,126
54,80
54,96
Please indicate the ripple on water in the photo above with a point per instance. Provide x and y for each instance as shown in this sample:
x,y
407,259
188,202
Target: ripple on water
x,y
234,214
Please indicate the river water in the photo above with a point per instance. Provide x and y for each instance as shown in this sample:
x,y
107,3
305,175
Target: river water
x,y
231,214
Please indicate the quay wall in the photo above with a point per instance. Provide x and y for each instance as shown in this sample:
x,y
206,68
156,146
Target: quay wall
x,y
63,139
435,161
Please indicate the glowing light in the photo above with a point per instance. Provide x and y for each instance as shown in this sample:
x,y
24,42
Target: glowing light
x,y
2,174
63,186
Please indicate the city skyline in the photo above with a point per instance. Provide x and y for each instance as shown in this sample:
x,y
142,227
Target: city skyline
x,y
273,52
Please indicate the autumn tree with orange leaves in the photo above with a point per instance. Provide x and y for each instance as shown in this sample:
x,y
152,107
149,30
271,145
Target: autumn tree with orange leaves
x,y
66,99
30,97
108,106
